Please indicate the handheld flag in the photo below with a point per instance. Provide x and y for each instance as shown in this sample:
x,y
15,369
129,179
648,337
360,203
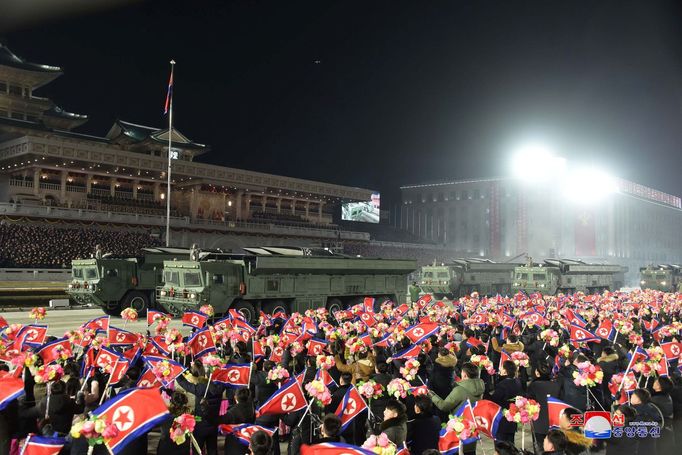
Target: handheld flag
x,y
233,375
243,432
201,343
605,329
100,323
153,316
487,415
333,448
289,398
420,332
315,346
554,409
448,443
164,369
11,388
134,412
37,445
194,319
54,350
350,407
409,353
120,337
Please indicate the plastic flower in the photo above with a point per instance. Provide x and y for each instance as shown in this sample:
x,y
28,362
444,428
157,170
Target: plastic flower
x,y
182,426
565,351
522,410
463,428
207,310
635,339
370,389
398,388
316,389
48,373
380,445
94,429
409,371
162,369
483,361
278,374
129,314
325,362
551,337
211,360
38,313
588,375
520,359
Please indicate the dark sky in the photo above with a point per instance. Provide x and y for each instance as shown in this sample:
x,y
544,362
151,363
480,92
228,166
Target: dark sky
x,y
382,93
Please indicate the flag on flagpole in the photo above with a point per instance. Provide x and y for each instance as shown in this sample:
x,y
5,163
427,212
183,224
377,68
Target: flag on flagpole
x,y
169,94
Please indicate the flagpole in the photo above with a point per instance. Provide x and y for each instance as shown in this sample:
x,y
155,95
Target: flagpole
x,y
170,156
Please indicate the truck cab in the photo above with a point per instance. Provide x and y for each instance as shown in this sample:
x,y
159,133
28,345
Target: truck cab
x,y
535,278
439,280
662,277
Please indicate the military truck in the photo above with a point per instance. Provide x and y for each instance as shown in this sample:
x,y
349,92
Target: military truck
x,y
116,282
290,279
661,277
464,276
567,276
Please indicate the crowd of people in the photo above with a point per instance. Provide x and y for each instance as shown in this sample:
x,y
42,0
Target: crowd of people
x,y
46,246
423,372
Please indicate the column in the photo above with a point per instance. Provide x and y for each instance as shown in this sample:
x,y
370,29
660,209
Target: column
x,y
88,183
112,186
319,211
62,188
307,209
238,213
136,183
263,203
279,205
157,191
293,206
36,181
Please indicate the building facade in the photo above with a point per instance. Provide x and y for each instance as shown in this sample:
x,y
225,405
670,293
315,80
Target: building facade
x,y
504,218
44,162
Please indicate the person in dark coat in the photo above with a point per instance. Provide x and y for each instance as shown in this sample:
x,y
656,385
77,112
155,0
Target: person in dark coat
x,y
661,398
242,412
395,422
646,412
344,384
442,377
60,412
179,404
207,406
570,393
555,443
423,432
506,390
609,362
538,390
619,443
676,396
330,429
264,390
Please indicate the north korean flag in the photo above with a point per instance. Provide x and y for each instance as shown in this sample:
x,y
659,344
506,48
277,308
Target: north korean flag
x,y
366,339
119,371
368,304
53,350
316,346
100,323
333,448
132,354
176,369
223,324
244,431
401,310
424,301
258,352
106,358
159,344
535,318
638,355
605,329
582,335
276,354
504,356
243,326
235,315
233,375
153,316
650,326
384,342
120,337
11,388
326,378
448,443
554,409
201,343
487,415
671,350
409,353
3,323
474,342
368,319
350,407
289,398
343,315
37,445
420,332
134,412
194,319
147,379
574,318
32,335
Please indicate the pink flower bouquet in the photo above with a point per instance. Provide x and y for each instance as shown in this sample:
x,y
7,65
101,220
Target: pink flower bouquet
x,y
522,410
278,374
409,371
317,390
398,388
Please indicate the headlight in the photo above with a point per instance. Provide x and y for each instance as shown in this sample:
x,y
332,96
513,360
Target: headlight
x,y
192,296
541,285
663,283
162,293
516,284
642,282
70,286
94,288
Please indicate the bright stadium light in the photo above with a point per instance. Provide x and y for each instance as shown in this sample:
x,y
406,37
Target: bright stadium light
x,y
535,162
589,185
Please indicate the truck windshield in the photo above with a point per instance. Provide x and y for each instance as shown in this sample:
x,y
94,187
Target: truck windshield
x,y
90,273
170,277
77,273
191,279
522,276
538,276
443,275
428,274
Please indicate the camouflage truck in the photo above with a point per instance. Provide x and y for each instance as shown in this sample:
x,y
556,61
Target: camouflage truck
x,y
115,282
662,277
464,276
568,276
270,279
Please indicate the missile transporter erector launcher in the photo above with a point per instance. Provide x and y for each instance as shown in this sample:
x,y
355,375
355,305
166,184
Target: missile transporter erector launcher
x,y
464,276
270,279
117,282
568,276
661,277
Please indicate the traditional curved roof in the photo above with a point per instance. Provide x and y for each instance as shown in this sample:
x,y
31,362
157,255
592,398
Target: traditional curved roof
x,y
136,133
9,58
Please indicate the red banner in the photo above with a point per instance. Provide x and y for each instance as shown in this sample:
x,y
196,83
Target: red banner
x,y
585,233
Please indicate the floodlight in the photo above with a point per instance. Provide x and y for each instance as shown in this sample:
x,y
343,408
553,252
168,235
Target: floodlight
x,y
589,185
535,162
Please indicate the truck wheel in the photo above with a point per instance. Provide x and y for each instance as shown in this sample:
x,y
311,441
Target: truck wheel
x,y
334,305
116,311
274,306
438,296
139,301
246,309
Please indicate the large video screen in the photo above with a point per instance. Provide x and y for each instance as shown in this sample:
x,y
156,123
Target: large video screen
x,y
365,212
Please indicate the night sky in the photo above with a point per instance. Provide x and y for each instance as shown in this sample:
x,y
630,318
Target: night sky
x,y
378,94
